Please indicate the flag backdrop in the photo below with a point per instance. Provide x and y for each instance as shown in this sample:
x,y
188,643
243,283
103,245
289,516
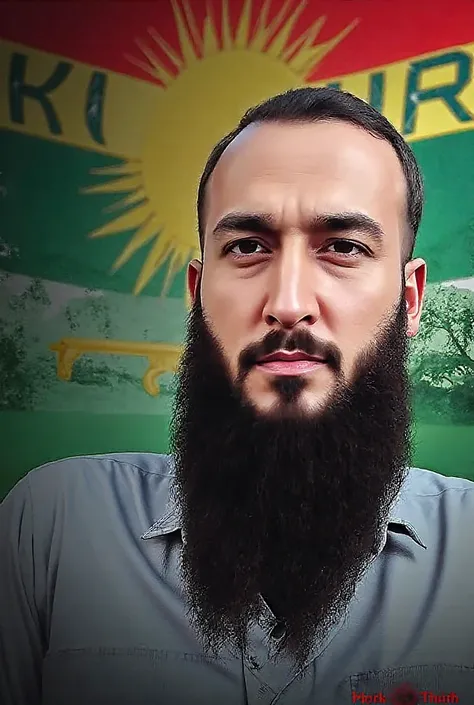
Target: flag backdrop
x,y
107,114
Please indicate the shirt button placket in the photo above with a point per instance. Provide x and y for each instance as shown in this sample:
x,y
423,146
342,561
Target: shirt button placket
x,y
256,671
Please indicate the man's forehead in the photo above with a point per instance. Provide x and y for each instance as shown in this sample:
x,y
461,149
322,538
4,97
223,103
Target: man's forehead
x,y
330,165
317,136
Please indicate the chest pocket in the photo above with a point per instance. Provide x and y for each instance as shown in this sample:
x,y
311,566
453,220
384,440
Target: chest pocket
x,y
416,684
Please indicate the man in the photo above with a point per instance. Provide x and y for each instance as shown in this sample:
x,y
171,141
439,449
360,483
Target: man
x,y
285,552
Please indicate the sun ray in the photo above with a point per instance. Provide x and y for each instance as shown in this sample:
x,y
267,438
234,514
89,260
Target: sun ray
x,y
126,183
157,205
158,255
307,59
128,221
185,41
305,40
191,20
210,43
274,25
150,70
131,166
227,41
147,232
243,28
130,200
151,56
261,31
176,264
280,40
170,53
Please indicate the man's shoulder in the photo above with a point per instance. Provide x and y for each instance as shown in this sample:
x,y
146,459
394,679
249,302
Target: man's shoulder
x,y
155,463
422,482
101,468
428,500
128,487
99,475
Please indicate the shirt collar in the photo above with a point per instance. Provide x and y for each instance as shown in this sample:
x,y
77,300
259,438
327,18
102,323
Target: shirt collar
x,y
404,516
169,522
401,519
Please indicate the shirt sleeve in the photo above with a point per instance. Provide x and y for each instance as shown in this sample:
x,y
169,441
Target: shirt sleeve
x,y
21,640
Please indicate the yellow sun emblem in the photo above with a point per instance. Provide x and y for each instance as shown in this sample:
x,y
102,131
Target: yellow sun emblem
x,y
218,74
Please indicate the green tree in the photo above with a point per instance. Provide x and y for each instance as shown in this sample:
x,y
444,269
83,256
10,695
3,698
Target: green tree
x,y
441,358
91,314
16,379
24,376
34,297
448,323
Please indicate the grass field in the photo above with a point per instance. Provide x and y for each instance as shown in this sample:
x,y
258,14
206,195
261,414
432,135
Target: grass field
x,y
30,439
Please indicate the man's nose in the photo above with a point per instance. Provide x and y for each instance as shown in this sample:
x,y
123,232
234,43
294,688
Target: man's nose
x,y
291,298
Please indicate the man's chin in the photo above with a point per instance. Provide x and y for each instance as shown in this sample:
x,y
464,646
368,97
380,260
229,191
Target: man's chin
x,y
272,405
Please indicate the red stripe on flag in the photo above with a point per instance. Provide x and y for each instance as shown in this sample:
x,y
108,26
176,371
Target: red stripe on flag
x,y
102,33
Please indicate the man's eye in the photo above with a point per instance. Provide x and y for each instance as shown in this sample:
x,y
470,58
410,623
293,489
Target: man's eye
x,y
345,247
245,247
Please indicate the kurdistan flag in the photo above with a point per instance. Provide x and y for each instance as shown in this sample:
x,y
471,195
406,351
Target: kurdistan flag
x,y
108,113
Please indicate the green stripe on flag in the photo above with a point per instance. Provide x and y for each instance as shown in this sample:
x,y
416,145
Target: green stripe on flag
x,y
46,220
446,236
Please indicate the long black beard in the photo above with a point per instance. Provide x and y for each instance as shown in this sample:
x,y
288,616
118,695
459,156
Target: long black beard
x,y
289,507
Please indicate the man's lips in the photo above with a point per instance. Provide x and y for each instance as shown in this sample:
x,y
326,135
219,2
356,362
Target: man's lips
x,y
289,363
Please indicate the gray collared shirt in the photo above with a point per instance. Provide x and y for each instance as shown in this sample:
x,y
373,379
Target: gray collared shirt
x,y
92,610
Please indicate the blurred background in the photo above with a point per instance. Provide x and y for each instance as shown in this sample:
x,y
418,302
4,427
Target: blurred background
x,y
107,114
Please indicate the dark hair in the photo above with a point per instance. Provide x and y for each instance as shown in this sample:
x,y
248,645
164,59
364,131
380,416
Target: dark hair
x,y
315,104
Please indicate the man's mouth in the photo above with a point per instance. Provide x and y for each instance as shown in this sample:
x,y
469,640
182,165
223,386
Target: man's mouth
x,y
296,362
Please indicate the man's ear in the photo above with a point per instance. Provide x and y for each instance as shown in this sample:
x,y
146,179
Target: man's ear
x,y
415,287
194,276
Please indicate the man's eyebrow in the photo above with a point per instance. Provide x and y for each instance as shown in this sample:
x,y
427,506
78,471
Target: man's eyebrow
x,y
265,224
346,222
256,223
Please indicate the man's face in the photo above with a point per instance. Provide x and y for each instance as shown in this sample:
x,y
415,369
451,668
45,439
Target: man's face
x,y
304,233
285,468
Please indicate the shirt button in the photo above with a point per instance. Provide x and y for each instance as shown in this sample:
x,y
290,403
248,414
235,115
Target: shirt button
x,y
254,663
278,630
